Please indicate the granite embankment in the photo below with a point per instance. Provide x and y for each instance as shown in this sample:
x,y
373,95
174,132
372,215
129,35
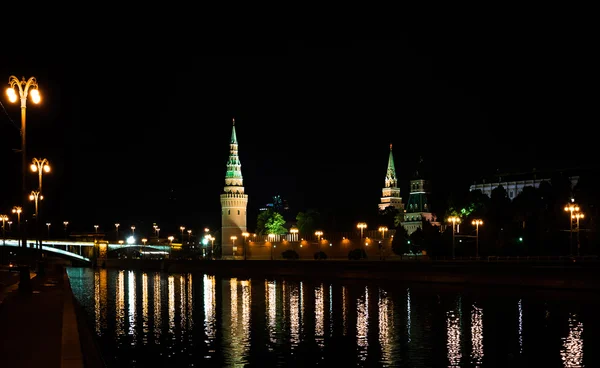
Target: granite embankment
x,y
557,275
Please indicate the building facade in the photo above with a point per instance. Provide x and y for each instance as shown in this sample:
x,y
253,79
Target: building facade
x,y
515,187
234,202
418,207
391,190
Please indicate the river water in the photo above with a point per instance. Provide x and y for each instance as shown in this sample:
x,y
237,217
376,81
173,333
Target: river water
x,y
155,319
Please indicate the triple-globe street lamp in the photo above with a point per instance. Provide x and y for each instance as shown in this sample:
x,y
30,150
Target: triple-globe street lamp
x,y
18,210
455,220
24,88
477,222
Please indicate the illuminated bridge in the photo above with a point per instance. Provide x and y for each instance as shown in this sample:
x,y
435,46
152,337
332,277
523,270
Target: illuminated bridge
x,y
81,250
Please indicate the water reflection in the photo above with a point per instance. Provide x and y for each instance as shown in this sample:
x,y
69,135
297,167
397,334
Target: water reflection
x,y
362,324
295,316
454,335
408,315
239,328
520,328
120,304
157,313
271,301
370,316
385,324
171,294
572,347
145,321
210,314
476,335
319,316
131,304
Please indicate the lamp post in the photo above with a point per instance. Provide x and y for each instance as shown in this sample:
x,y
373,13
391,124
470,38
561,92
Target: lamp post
x,y
319,233
170,244
132,230
158,234
212,244
40,165
48,224
571,208
66,223
454,220
189,236
181,228
4,218
361,226
245,234
96,227
477,222
117,230
578,216
382,229
144,240
23,87
18,210
36,197
272,237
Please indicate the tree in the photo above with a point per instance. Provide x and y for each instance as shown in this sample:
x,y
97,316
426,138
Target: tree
x,y
270,222
308,221
388,216
401,243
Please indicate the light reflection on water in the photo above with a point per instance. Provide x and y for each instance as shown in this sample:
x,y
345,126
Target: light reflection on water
x,y
307,323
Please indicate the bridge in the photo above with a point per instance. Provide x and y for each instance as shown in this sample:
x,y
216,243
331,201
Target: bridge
x,y
81,250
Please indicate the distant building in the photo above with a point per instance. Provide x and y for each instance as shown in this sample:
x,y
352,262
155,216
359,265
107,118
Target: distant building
x,y
514,183
418,207
391,191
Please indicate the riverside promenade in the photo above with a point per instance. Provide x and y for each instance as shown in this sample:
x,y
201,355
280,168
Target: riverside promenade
x,y
39,326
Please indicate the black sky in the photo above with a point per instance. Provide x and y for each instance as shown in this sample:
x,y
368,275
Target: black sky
x,y
128,128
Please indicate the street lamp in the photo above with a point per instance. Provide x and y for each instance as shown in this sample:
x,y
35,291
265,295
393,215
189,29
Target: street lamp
x,y
170,244
477,222
132,230
4,218
383,229
233,238
245,234
361,226
144,240
66,223
181,228
23,87
96,227
578,216
272,237
36,196
319,233
455,221
40,165
158,233
18,210
189,236
117,227
572,208
212,244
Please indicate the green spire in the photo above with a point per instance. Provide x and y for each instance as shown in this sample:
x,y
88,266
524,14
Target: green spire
x,y
390,176
233,136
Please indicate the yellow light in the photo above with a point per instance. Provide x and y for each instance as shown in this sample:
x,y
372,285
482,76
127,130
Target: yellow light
x,y
33,167
35,96
47,168
31,197
245,234
12,95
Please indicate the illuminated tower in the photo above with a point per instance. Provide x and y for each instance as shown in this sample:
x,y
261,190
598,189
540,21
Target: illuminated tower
x,y
391,191
233,201
418,208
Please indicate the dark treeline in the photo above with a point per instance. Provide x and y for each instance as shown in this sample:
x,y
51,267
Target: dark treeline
x,y
534,223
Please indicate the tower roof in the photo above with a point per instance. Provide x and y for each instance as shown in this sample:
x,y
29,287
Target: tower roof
x,y
420,171
390,176
233,136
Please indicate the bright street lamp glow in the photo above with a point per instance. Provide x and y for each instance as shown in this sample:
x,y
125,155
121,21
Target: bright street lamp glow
x,y
35,96
131,240
12,95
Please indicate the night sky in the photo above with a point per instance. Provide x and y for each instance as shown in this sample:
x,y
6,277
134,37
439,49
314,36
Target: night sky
x,y
138,135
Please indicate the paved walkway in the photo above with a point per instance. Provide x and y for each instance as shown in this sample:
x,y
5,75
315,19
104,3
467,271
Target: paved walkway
x,y
39,328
